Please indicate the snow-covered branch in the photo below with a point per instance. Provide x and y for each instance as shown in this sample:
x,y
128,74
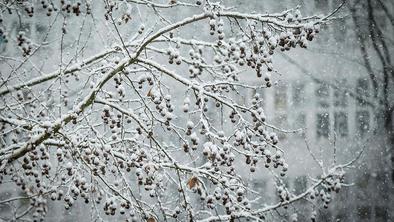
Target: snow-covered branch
x,y
153,127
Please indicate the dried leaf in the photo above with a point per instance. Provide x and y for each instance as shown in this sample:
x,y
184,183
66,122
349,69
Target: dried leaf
x,y
151,220
192,182
150,94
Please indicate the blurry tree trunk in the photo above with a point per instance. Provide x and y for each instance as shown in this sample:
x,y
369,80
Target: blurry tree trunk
x,y
377,44
376,47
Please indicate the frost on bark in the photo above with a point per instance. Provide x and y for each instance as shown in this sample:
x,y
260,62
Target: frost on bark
x,y
143,122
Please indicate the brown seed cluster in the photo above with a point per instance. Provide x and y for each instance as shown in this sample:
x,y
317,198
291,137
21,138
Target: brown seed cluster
x,y
24,43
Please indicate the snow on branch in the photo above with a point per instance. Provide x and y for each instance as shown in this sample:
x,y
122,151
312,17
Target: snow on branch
x,y
116,105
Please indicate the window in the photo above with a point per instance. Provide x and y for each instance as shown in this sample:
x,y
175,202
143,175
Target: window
x,y
321,4
340,34
298,94
362,91
300,121
342,215
363,180
382,185
381,214
300,184
340,96
322,94
340,99
362,121
281,121
340,124
325,216
280,104
322,125
364,212
380,121
280,98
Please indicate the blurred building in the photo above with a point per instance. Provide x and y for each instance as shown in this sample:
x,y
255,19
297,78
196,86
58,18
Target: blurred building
x,y
327,90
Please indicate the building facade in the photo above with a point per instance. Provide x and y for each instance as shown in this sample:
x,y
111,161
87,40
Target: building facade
x,y
327,91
